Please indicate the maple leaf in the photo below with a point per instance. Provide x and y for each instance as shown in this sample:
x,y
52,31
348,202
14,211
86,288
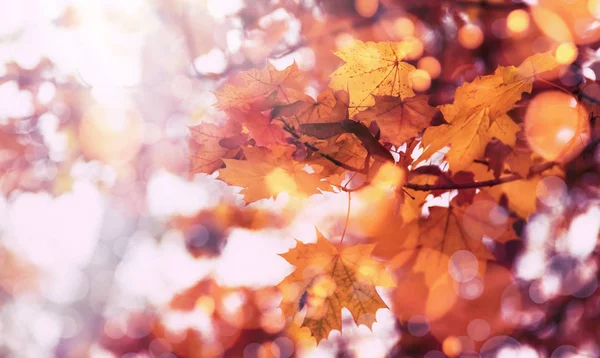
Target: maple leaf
x,y
373,69
516,159
346,148
326,280
262,89
466,136
260,128
398,119
214,143
500,91
329,107
496,153
478,113
430,242
266,173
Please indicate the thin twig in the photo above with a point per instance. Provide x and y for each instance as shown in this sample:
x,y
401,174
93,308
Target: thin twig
x,y
347,217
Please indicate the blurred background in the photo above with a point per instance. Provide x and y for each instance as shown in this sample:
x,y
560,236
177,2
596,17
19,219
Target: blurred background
x,y
111,245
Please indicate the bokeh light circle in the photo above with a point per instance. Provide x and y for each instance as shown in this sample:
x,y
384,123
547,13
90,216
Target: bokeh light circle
x,y
494,345
463,266
470,36
472,289
431,65
111,135
551,191
556,126
420,80
518,21
478,329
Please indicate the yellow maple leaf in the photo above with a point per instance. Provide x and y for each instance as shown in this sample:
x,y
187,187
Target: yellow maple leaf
x,y
467,138
261,89
373,69
326,280
478,113
500,91
399,120
266,173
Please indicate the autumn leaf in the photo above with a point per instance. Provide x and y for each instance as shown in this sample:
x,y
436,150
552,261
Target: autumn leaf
x,y
373,69
329,107
500,91
326,280
478,113
399,120
211,144
514,159
262,89
496,154
266,173
430,243
323,130
467,138
359,130
260,128
346,149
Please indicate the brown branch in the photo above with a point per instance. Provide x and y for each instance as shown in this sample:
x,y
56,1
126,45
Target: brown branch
x,y
481,184
453,186
473,185
488,5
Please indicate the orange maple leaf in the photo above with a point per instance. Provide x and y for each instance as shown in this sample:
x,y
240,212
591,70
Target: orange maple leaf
x,y
399,120
266,173
326,280
264,131
329,107
430,243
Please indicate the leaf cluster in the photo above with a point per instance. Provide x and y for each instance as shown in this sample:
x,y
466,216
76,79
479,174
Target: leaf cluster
x,y
369,127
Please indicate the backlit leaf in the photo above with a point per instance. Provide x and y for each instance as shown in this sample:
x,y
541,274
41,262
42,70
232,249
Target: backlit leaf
x,y
373,69
327,279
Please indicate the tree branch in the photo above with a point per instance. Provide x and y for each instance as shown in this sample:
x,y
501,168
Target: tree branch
x,y
481,184
473,185
453,186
